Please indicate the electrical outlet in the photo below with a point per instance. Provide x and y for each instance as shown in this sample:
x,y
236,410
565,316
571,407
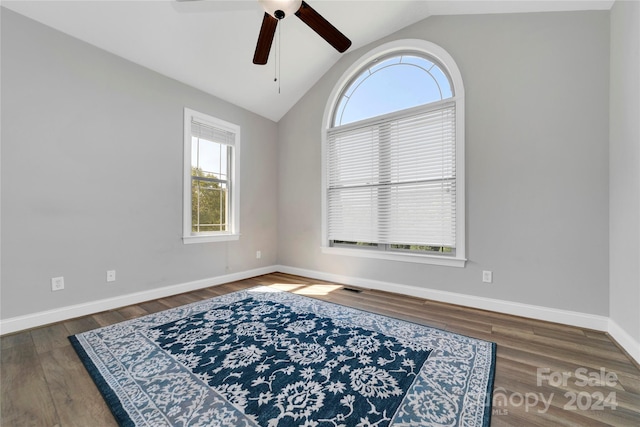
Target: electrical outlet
x,y
258,254
57,283
487,276
111,276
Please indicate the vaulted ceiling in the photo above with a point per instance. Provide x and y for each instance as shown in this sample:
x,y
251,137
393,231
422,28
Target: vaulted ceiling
x,y
210,44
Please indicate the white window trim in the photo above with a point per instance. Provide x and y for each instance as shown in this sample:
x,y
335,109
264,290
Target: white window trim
x,y
188,236
443,57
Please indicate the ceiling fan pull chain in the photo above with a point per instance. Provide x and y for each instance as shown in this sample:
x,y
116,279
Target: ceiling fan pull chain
x,y
278,57
275,62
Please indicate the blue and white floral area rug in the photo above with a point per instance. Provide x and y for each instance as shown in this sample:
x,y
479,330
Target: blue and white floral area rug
x,y
269,358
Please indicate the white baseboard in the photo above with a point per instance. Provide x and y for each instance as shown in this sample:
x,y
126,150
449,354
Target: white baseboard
x,y
626,341
20,323
573,318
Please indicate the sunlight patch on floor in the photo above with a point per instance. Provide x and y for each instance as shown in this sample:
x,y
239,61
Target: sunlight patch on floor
x,y
318,289
304,289
288,287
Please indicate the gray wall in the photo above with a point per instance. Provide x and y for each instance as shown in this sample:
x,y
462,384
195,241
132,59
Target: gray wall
x,y
92,163
625,167
92,175
537,113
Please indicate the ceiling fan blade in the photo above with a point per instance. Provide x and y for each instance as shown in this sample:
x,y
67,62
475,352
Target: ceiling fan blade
x,y
313,19
265,39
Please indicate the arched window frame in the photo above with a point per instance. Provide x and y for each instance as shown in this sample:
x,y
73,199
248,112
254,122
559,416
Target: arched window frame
x,y
448,65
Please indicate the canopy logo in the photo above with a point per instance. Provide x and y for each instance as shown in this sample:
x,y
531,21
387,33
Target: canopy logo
x,y
574,400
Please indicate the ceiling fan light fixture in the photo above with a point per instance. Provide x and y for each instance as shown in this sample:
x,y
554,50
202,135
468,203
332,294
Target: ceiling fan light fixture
x,y
280,9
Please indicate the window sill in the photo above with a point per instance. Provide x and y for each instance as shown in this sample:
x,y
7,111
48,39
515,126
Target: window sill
x,y
208,238
394,256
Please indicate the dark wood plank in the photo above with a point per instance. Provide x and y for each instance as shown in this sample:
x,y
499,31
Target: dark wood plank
x,y
81,324
107,318
153,306
25,399
49,337
132,312
77,399
14,340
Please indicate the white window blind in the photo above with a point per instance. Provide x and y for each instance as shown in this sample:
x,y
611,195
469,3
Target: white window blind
x,y
393,180
211,133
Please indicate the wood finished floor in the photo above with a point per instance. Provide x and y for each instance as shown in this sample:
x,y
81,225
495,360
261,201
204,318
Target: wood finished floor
x,y
45,384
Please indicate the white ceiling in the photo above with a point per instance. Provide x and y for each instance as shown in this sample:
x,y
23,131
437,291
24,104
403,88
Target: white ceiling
x,y
209,44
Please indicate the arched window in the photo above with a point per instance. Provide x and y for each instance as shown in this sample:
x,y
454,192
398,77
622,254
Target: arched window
x,y
402,80
394,157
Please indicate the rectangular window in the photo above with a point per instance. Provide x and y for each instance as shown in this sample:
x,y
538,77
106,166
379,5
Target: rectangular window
x,y
211,150
391,183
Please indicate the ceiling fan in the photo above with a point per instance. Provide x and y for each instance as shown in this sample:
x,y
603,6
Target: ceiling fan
x,y
276,10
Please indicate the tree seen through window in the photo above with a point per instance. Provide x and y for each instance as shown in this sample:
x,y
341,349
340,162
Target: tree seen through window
x,y
208,202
